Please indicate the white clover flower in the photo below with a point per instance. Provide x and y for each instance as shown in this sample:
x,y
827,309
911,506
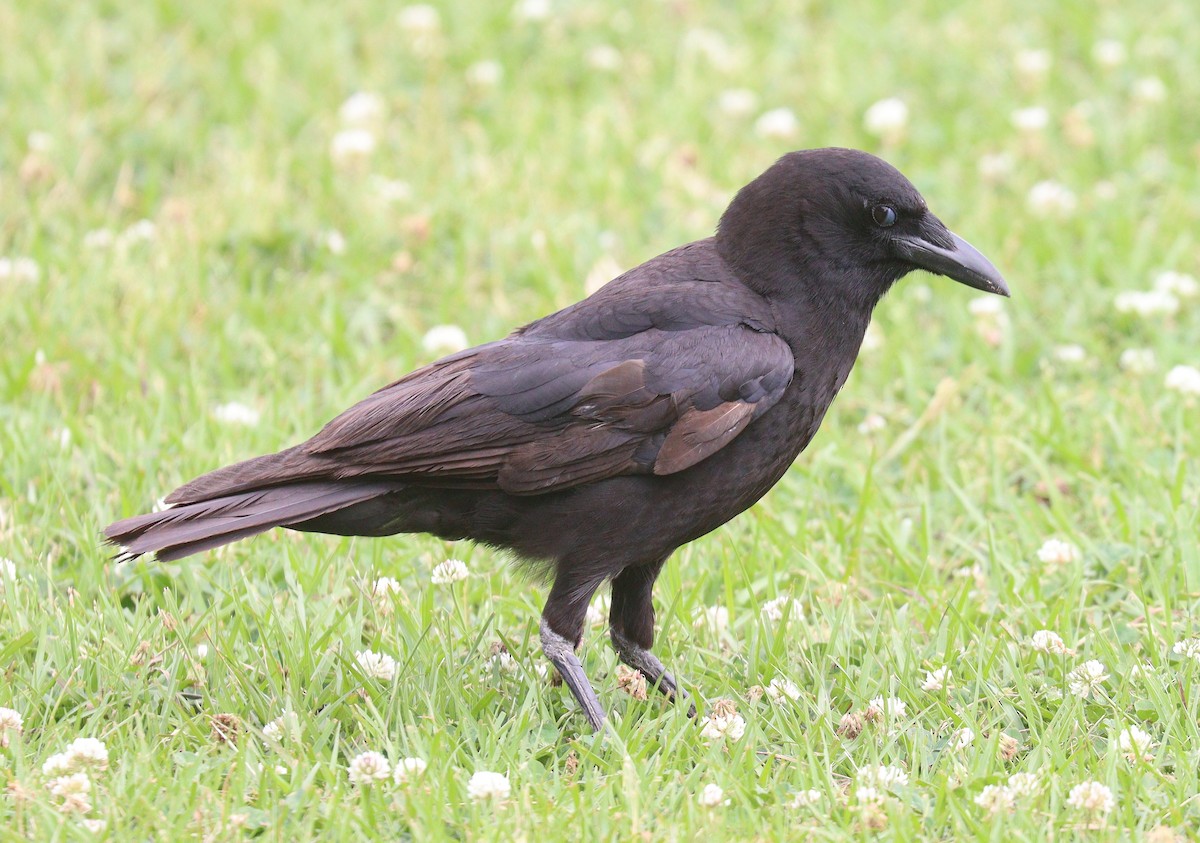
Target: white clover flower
x,y
806,798
409,769
1185,379
715,618
1092,798
887,119
868,796
73,790
1138,361
774,610
1142,671
99,238
391,190
11,720
1057,552
142,231
485,74
1146,303
1087,678
1024,784
487,785
937,679
730,727
285,726
351,146
334,241
723,722
532,10
366,768
962,738
376,665
996,167
19,269
504,662
1051,199
1188,648
995,799
781,688
778,123
450,571
737,102
1032,119
1178,284
445,339
1150,90
873,423
58,764
64,786
1045,641
1033,65
420,19
880,709
604,57
82,753
1135,744
384,587
235,412
711,796
87,752
361,108
1108,53
883,777
93,826
1071,353
986,307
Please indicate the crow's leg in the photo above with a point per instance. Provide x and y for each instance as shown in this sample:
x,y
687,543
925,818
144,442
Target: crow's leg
x,y
631,628
562,631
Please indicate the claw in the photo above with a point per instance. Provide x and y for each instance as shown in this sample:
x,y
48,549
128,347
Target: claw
x,y
562,654
639,658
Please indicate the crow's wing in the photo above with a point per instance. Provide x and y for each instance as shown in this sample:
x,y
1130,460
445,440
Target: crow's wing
x,y
536,414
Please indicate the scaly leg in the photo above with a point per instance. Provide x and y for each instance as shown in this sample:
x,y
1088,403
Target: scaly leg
x,y
631,622
562,631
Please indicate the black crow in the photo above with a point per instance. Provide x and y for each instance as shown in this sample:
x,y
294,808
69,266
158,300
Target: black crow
x,y
597,440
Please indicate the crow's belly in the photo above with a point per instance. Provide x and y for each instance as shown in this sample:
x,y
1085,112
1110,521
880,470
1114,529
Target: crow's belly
x,y
643,518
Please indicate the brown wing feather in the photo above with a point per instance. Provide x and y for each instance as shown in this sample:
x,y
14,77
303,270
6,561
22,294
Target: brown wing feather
x,y
531,416
701,433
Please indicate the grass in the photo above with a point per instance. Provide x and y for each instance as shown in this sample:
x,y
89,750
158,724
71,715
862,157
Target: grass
x,y
907,550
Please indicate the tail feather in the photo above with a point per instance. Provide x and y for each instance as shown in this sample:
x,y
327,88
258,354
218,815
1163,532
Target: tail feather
x,y
289,466
189,528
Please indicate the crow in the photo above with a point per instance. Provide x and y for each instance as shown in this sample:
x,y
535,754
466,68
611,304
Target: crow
x,y
597,440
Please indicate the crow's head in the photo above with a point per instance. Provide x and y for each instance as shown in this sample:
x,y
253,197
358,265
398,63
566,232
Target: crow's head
x,y
844,222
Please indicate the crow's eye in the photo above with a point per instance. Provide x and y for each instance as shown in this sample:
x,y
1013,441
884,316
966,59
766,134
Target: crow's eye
x,y
884,216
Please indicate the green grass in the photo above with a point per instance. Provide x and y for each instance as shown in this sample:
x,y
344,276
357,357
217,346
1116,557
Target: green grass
x,y
907,550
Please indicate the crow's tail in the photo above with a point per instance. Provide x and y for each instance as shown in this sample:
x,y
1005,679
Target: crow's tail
x,y
189,528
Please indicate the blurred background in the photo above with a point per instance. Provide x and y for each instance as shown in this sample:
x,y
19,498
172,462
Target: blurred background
x,y
223,222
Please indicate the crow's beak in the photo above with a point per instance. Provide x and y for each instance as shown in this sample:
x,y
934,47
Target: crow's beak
x,y
953,257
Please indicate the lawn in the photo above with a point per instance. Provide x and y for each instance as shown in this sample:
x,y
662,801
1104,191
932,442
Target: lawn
x,y
966,612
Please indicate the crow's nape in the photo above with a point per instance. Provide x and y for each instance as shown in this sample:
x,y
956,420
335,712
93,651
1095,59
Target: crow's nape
x,y
189,528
